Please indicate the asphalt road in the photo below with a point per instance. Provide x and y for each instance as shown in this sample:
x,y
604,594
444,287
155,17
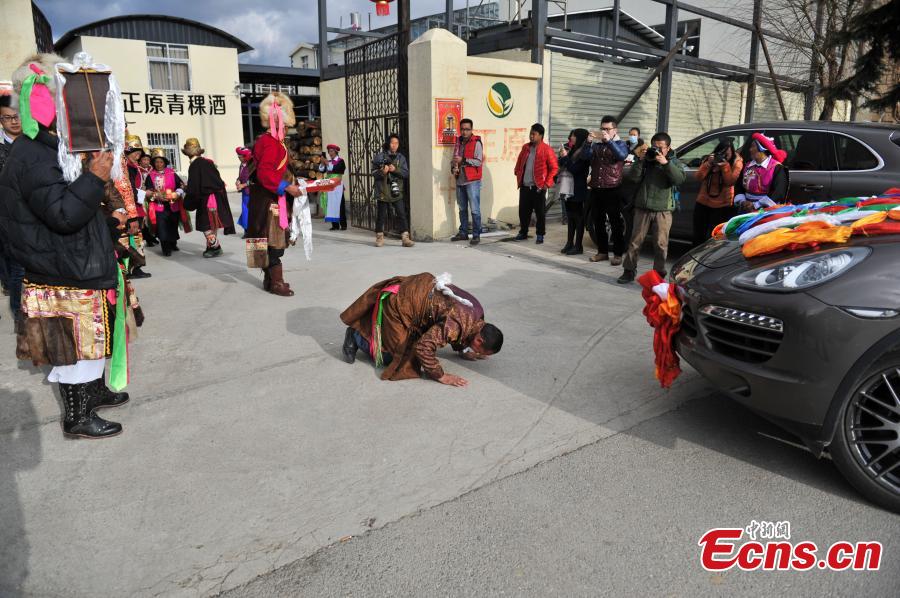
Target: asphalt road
x,y
251,449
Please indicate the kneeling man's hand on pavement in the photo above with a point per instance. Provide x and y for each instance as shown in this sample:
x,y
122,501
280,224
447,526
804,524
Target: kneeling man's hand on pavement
x,y
451,380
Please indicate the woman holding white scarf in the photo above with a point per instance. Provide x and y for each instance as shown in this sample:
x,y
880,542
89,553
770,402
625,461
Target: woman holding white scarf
x,y
271,183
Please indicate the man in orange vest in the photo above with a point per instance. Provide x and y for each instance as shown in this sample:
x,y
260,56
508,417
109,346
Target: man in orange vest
x,y
468,157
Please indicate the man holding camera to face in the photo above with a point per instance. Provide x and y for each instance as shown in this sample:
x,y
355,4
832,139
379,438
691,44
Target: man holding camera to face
x,y
657,174
607,157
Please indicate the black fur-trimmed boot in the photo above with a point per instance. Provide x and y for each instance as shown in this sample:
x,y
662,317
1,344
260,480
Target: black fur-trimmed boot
x,y
79,419
102,396
350,347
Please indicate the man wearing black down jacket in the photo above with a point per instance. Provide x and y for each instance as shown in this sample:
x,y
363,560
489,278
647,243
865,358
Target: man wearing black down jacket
x,y
58,233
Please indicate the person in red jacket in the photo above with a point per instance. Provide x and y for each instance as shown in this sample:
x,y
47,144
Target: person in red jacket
x,y
270,184
536,170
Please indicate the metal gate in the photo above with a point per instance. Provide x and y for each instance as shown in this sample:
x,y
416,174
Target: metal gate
x,y
376,106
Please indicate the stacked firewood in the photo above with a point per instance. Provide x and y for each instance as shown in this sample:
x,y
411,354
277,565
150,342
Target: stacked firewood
x,y
305,147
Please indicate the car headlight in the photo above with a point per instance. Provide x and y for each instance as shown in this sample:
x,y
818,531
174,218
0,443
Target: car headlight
x,y
802,273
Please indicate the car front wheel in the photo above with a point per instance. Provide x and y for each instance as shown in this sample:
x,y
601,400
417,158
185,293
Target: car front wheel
x,y
866,447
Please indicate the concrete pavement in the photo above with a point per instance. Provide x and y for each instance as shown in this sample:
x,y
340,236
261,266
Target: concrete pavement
x,y
620,517
249,445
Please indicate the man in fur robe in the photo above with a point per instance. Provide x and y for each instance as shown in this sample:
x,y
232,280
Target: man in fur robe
x,y
403,321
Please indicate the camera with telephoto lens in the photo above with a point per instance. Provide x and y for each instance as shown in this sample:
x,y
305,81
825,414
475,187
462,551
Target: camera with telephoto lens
x,y
393,183
395,189
651,153
719,157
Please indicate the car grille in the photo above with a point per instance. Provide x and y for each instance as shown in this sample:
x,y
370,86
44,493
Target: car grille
x,y
741,335
688,322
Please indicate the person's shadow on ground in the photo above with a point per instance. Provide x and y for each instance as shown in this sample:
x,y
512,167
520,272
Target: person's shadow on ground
x,y
322,324
21,450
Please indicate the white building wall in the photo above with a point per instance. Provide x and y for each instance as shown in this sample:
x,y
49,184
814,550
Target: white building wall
x,y
18,41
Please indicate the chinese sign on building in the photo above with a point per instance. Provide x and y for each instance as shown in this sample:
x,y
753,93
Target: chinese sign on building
x,y
448,113
173,103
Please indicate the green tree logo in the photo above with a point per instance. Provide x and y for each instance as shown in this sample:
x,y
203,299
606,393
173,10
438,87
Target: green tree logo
x,y
499,100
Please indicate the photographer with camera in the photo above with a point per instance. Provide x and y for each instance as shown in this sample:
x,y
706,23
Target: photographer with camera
x,y
717,174
391,170
658,174
607,157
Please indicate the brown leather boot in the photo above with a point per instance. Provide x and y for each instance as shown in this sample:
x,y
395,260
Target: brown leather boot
x,y
379,239
406,241
267,280
278,286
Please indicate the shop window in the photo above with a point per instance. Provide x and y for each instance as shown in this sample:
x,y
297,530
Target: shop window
x,y
169,144
169,66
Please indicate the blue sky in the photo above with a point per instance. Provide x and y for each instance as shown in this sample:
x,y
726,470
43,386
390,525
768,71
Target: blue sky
x,y
272,28
275,28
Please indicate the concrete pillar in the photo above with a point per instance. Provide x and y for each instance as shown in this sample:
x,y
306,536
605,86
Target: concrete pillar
x,y
19,42
437,69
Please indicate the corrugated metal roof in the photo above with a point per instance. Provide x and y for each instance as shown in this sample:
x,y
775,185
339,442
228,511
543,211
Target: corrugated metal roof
x,y
156,28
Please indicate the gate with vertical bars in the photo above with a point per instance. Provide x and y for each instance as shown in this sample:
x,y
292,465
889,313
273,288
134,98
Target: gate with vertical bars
x,y
376,82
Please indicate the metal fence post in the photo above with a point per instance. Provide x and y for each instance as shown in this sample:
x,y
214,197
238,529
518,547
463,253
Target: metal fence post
x,y
323,38
754,60
810,104
665,79
616,14
538,30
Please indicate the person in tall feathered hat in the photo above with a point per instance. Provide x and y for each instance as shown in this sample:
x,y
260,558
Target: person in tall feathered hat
x,y
51,200
765,179
205,193
270,212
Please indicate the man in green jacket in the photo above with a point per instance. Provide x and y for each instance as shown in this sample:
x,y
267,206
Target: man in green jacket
x,y
658,174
